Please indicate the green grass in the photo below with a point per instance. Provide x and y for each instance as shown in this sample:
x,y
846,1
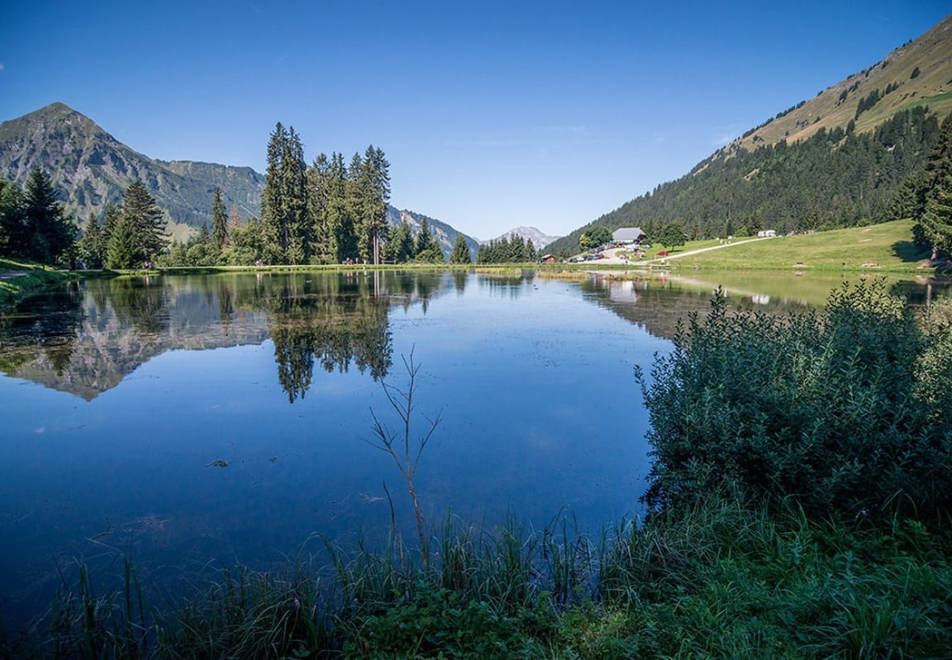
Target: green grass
x,y
20,278
885,247
719,579
652,252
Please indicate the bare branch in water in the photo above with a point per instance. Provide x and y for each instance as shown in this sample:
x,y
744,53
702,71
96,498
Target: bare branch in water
x,y
400,446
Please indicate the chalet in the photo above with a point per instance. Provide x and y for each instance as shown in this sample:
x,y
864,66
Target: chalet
x,y
547,259
628,235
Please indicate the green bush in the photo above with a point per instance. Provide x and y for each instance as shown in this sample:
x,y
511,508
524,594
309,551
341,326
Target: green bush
x,y
846,410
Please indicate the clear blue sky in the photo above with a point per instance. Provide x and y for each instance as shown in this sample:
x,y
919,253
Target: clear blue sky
x,y
492,114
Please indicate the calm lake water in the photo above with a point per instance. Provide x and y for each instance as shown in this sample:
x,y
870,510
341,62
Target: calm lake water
x,y
118,396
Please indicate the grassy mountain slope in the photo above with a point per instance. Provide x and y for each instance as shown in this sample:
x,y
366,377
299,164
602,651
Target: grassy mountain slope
x,y
916,74
821,164
91,167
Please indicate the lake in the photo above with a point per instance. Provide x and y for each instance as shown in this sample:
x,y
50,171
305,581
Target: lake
x,y
195,422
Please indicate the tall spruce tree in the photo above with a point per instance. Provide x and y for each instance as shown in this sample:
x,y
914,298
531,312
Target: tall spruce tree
x,y
272,217
91,248
356,199
293,202
219,221
460,254
340,220
323,239
400,247
934,225
110,217
12,226
48,233
937,219
427,248
124,250
142,213
373,188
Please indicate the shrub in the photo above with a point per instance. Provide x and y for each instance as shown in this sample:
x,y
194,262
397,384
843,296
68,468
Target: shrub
x,y
845,410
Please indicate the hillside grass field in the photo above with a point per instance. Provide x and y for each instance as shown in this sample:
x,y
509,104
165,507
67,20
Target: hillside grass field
x,y
886,247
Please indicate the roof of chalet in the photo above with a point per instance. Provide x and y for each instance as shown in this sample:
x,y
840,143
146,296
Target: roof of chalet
x,y
627,234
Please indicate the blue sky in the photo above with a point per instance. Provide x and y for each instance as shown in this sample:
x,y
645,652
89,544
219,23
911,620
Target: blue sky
x,y
492,114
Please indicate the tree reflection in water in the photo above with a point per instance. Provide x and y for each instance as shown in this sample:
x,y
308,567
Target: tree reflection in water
x,y
86,338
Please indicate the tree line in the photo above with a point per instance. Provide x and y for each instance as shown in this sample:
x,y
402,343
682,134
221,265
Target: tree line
x,y
129,235
926,196
33,224
328,212
508,249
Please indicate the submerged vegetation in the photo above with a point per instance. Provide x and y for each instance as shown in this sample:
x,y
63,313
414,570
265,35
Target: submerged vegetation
x,y
799,507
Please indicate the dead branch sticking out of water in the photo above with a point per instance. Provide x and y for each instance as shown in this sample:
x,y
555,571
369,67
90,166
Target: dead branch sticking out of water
x,y
402,447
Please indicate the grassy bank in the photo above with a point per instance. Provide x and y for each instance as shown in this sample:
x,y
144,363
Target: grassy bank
x,y
886,247
19,279
720,578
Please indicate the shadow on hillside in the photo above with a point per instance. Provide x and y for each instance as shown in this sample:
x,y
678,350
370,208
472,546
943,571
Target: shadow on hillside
x,y
909,251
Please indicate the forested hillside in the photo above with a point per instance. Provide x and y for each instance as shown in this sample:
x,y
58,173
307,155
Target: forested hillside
x,y
837,160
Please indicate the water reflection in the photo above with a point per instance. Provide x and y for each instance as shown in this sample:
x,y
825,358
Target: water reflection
x,y
534,375
87,337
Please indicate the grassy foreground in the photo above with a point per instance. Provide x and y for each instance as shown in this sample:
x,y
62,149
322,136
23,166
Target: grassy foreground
x,y
19,279
720,578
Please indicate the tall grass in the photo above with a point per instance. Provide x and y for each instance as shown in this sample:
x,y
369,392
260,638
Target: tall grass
x,y
720,577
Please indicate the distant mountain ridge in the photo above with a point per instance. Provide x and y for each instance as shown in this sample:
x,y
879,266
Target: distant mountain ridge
x,y
90,168
533,234
837,159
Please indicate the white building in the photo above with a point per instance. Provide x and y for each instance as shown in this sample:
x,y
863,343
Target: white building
x,y
766,233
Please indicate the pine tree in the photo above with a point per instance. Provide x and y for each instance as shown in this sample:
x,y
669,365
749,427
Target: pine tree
x,y
426,248
91,245
323,240
355,200
219,221
49,234
339,218
124,249
140,211
271,209
400,247
293,202
935,223
373,189
460,254
937,218
12,227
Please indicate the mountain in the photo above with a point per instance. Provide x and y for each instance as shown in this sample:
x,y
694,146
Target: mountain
x,y
539,240
445,234
838,159
90,167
